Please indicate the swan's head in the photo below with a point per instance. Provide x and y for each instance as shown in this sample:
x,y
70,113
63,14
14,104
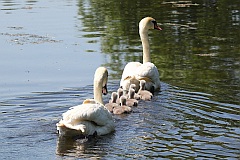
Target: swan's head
x,y
148,23
101,78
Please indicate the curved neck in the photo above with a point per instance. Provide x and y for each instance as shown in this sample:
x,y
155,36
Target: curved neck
x,y
145,45
114,99
131,94
140,89
97,91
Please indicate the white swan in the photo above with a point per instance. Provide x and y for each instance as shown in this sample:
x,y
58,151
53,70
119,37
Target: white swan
x,y
136,71
91,117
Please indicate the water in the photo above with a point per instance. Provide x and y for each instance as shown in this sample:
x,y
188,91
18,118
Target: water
x,y
50,50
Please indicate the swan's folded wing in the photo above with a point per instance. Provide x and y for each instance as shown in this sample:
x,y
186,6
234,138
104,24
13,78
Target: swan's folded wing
x,y
147,69
149,72
128,75
96,113
130,70
85,119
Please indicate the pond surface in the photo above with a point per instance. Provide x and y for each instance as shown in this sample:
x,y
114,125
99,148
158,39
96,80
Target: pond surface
x,y
50,50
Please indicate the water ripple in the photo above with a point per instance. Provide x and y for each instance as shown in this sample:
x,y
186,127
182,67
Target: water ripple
x,y
175,124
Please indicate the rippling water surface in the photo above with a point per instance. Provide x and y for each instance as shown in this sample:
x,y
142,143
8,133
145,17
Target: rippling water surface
x,y
51,49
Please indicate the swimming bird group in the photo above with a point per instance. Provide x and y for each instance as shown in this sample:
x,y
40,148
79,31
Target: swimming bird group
x,y
138,82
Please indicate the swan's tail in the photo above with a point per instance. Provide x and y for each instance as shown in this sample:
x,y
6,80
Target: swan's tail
x,y
69,130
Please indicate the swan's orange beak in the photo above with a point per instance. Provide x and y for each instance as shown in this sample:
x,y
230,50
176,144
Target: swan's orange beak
x,y
104,90
157,27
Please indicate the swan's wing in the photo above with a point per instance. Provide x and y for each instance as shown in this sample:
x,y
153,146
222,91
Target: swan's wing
x,y
130,69
89,112
135,71
149,72
87,118
128,75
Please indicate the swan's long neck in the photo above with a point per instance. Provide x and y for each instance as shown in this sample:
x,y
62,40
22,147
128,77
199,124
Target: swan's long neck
x,y
145,44
98,91
100,82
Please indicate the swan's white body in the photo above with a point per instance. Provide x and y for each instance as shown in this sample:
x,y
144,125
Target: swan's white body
x,y
136,71
90,117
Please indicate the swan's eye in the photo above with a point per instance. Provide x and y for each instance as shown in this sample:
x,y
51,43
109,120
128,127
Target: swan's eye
x,y
156,25
154,22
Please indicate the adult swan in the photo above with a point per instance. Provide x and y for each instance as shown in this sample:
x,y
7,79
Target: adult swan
x,y
91,117
136,71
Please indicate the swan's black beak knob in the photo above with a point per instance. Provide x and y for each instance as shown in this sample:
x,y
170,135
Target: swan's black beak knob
x,y
104,90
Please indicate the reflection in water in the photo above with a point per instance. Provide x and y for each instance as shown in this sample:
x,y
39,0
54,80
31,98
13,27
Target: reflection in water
x,y
67,145
197,49
84,148
12,5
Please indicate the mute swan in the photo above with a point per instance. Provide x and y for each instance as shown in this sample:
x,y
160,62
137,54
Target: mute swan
x,y
123,108
144,94
112,102
131,102
136,71
91,117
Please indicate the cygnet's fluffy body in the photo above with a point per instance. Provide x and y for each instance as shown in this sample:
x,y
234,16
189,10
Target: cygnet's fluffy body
x,y
112,102
136,96
123,108
144,94
131,102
